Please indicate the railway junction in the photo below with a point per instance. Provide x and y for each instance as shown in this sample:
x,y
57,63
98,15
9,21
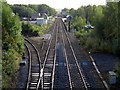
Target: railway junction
x,y
59,63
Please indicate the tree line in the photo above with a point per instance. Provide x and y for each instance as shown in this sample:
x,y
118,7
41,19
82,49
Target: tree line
x,y
28,10
105,37
106,34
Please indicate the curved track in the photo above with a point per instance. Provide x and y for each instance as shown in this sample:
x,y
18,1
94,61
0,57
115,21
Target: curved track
x,y
34,66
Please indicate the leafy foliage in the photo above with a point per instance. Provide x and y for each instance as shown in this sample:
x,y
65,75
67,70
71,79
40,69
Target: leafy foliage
x,y
45,8
78,22
106,35
105,19
23,10
13,44
28,10
34,29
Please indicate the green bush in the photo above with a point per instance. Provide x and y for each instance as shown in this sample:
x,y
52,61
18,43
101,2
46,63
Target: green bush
x,y
91,44
12,44
34,29
105,46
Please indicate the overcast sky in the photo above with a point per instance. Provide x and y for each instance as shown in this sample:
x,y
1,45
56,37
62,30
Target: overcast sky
x,y
60,4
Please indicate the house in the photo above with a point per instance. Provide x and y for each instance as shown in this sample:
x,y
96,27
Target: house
x,y
39,15
41,21
40,18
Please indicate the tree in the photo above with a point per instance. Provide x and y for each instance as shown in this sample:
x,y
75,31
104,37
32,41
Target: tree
x,y
111,19
12,43
78,22
45,8
35,7
111,25
72,12
98,21
23,10
28,10
105,19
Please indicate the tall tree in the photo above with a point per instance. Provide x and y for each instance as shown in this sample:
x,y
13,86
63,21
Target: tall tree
x,y
47,9
23,10
12,43
72,12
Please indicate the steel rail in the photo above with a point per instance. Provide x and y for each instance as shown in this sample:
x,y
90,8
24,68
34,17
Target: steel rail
x,y
98,72
29,69
66,59
79,68
53,74
47,53
30,66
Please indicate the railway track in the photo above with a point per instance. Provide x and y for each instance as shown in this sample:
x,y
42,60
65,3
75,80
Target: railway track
x,y
76,77
34,71
49,61
61,65
93,77
61,77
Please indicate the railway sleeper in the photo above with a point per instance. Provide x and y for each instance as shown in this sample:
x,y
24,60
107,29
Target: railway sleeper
x,y
50,59
33,84
34,80
50,62
32,88
47,78
49,65
47,85
35,74
47,74
35,77
46,88
35,70
35,65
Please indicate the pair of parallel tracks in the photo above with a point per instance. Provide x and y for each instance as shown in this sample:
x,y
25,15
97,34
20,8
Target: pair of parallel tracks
x,y
76,77
43,75
49,64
